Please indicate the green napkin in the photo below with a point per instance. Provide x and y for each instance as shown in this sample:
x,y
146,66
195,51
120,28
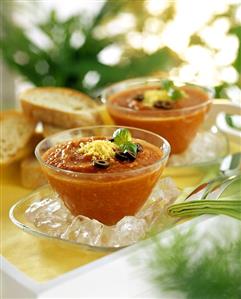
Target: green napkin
x,y
195,208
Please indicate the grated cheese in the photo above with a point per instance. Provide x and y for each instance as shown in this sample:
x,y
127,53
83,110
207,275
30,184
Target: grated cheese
x,y
151,96
99,149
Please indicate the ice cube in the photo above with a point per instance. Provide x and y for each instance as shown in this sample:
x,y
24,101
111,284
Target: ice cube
x,y
84,230
44,205
151,212
52,225
51,216
205,147
169,189
129,230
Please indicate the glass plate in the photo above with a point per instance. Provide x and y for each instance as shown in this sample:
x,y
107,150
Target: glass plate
x,y
43,214
209,147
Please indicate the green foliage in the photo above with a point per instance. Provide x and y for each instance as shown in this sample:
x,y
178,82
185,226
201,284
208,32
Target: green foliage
x,y
198,267
221,90
129,147
123,138
62,64
237,63
173,92
183,266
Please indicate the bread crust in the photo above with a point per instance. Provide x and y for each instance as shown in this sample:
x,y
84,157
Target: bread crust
x,y
21,153
53,116
14,113
27,147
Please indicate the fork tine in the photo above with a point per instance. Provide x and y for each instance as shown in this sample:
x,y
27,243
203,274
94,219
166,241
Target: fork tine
x,y
202,190
218,190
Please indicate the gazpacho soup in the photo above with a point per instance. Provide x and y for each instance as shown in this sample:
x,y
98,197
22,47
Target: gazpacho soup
x,y
104,177
161,106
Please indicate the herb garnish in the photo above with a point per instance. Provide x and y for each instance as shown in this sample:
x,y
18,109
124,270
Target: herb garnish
x,y
173,92
122,138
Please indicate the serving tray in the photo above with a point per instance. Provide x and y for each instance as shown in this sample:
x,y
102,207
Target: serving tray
x,y
30,260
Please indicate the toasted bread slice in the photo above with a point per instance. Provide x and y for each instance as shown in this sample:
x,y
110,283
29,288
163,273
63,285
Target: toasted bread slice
x,y
31,173
48,129
16,134
61,107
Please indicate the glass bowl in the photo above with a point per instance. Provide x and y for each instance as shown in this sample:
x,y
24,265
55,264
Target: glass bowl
x,y
106,197
178,126
202,156
17,215
43,214
208,147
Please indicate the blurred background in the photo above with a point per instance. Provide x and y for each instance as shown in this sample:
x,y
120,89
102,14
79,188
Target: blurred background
x,y
90,44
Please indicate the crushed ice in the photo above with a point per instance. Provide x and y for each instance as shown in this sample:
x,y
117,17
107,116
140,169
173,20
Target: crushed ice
x,y
205,147
50,216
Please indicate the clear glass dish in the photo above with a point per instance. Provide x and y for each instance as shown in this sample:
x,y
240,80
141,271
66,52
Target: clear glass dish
x,y
103,195
18,216
178,126
43,214
209,147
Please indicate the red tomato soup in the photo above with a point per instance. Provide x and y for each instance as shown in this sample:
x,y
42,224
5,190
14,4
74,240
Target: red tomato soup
x,y
107,189
176,120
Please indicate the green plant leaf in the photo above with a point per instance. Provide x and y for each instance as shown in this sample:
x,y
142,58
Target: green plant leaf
x,y
185,266
174,93
129,147
122,136
167,84
68,65
237,63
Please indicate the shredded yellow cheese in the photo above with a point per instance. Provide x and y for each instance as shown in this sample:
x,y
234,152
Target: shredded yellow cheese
x,y
151,96
98,149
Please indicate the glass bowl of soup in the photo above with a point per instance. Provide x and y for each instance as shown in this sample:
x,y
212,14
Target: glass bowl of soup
x,y
103,172
171,109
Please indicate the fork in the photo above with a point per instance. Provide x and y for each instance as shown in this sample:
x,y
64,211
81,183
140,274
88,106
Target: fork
x,y
229,170
229,205
203,199
212,189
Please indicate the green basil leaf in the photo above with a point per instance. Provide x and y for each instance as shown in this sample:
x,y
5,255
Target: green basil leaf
x,y
174,93
122,136
167,84
129,147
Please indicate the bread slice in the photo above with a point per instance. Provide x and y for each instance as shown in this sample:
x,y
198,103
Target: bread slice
x,y
31,173
48,129
16,134
61,107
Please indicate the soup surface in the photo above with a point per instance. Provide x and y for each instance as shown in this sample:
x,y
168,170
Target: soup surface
x,y
151,108
68,156
131,98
